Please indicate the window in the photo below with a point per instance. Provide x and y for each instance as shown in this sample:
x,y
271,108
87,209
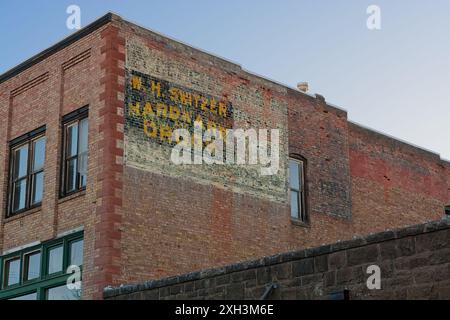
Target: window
x,y
12,272
29,296
55,259
42,271
62,293
27,171
297,189
32,266
75,153
76,252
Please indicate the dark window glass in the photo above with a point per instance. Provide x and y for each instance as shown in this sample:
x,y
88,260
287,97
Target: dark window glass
x,y
32,266
55,259
29,296
20,180
38,170
294,205
38,188
72,175
21,162
82,151
294,179
76,253
72,139
63,293
297,189
75,155
39,154
19,194
27,180
12,272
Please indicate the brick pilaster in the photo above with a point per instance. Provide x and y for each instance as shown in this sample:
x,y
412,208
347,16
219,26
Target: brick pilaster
x,y
107,251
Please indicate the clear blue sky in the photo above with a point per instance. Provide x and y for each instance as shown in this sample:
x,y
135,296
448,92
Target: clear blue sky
x,y
395,80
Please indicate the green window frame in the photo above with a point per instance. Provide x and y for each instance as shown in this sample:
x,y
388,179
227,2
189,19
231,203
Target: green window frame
x,y
44,281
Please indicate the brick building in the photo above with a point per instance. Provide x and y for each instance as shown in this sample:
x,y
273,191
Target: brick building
x,y
86,177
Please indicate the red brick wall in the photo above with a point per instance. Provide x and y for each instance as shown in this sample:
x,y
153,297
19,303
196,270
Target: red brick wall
x,y
175,225
319,133
140,225
394,183
65,81
447,165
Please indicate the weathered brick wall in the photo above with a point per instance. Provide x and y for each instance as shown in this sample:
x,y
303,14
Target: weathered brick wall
x,y
414,264
396,183
248,104
40,96
319,133
145,220
242,216
447,166
86,71
202,216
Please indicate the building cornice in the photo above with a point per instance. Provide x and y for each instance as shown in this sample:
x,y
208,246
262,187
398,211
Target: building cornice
x,y
56,47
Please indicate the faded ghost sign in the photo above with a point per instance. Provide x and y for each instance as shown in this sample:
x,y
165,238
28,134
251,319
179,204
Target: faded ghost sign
x,y
159,107
163,94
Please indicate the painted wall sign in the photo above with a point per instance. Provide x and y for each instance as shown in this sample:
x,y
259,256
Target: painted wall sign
x,y
162,94
158,107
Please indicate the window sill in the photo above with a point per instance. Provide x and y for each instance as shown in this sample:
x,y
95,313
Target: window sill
x,y
300,223
23,214
72,196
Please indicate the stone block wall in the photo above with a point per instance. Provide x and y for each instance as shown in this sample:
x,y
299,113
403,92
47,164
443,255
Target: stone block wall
x,y
414,264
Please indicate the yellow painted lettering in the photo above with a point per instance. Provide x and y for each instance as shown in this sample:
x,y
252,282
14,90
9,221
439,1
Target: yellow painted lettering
x,y
186,116
211,124
174,113
222,109
161,110
204,103
199,120
150,129
196,100
134,109
213,105
156,88
165,132
186,98
173,94
223,132
136,82
148,111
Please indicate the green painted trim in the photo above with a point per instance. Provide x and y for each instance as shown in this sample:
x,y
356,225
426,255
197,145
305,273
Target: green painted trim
x,y
44,281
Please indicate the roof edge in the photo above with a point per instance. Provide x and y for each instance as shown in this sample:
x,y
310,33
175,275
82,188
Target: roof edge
x,y
399,140
56,47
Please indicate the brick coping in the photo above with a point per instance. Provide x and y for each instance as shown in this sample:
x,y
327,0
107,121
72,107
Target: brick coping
x,y
356,242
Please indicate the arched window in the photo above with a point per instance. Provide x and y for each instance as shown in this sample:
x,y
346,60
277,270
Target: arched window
x,y
297,168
